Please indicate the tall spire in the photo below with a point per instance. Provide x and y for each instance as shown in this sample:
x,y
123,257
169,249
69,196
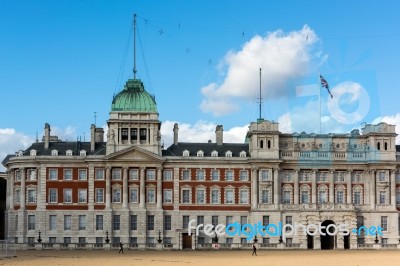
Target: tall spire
x,y
260,103
134,46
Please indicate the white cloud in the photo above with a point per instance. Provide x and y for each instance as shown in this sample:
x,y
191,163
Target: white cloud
x,y
282,56
12,141
201,131
392,120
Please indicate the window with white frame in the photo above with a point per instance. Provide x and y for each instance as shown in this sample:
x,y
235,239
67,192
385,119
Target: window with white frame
x,y
304,197
243,154
200,175
200,196
356,197
228,154
31,195
381,176
355,177
67,174
265,196
67,195
384,223
286,197
68,153
31,222
229,196
244,175
52,222
186,196
151,195
133,174
53,174
116,174
99,174
116,193
214,175
264,173
82,222
229,220
53,195
214,154
82,153
17,196
167,196
31,174
134,195
33,152
305,176
17,175
340,195
167,174
244,196
382,197
82,195
322,191
185,153
150,174
286,176
54,152
133,222
82,174
150,222
229,175
99,195
99,222
215,197
67,222
116,222
186,174
200,153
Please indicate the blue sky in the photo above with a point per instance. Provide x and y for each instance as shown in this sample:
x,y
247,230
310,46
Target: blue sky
x,y
61,61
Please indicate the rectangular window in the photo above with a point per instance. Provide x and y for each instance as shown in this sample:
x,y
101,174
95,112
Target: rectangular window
x,y
167,222
398,197
99,222
52,222
215,196
264,175
143,135
229,197
229,220
339,197
167,240
151,195
82,240
52,195
265,196
67,240
185,221
133,225
134,195
150,222
286,197
244,196
357,197
200,175
229,175
265,220
265,240
382,197
381,176
384,223
214,220
116,222
200,219
133,174
151,174
17,195
31,222
134,134
289,220
124,134
214,175
150,240
229,240
167,196
322,197
82,174
167,175
82,195
31,195
304,197
31,174
67,222
186,196
82,222
117,195
52,240
67,195
243,220
99,174
186,174
67,174
53,174
99,195
200,196
116,174
244,175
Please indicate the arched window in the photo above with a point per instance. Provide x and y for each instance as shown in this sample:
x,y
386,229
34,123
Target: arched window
x,y
379,146
269,144
261,144
386,146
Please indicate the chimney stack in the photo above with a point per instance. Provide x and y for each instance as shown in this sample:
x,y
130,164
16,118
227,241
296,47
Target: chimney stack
x,y
92,137
46,136
176,129
219,135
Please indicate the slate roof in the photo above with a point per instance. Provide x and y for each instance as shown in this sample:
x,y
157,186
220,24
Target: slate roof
x,y
207,148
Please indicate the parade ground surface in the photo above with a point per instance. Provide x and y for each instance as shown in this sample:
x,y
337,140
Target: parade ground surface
x,y
220,258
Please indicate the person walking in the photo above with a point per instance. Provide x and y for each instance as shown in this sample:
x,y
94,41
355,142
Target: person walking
x,y
121,248
254,248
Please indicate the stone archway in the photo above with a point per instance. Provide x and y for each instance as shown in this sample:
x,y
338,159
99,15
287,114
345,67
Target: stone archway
x,y
327,241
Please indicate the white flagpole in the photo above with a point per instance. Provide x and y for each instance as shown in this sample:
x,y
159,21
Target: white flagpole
x,y
319,99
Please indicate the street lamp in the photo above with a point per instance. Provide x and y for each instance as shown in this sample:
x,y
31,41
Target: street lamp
x,y
215,239
376,238
107,239
159,237
255,239
40,237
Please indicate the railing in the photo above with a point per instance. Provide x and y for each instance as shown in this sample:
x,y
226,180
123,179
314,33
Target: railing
x,y
389,246
365,246
293,245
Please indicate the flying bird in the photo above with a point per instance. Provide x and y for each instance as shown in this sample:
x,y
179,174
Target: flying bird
x,y
161,31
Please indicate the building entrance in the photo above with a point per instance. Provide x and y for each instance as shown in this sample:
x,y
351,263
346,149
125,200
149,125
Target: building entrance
x,y
327,241
186,241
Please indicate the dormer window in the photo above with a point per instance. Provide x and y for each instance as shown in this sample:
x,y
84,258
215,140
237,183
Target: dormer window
x,y
200,153
20,153
185,153
54,152
243,154
82,153
228,154
214,154
33,153
68,153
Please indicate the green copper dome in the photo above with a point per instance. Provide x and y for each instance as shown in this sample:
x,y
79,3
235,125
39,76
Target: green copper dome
x,y
134,98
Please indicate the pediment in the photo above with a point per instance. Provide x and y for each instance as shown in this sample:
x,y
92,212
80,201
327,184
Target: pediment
x,y
134,154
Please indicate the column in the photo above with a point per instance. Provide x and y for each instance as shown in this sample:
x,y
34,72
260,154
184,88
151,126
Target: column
x,y
296,186
108,188
23,192
254,189
125,188
159,188
331,187
372,187
10,190
142,188
348,181
393,188
277,188
366,199
314,186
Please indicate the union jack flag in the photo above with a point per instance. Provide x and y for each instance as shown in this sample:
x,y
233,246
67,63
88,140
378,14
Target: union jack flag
x,y
324,84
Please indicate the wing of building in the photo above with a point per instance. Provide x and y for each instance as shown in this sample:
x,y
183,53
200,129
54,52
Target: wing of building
x,y
132,190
